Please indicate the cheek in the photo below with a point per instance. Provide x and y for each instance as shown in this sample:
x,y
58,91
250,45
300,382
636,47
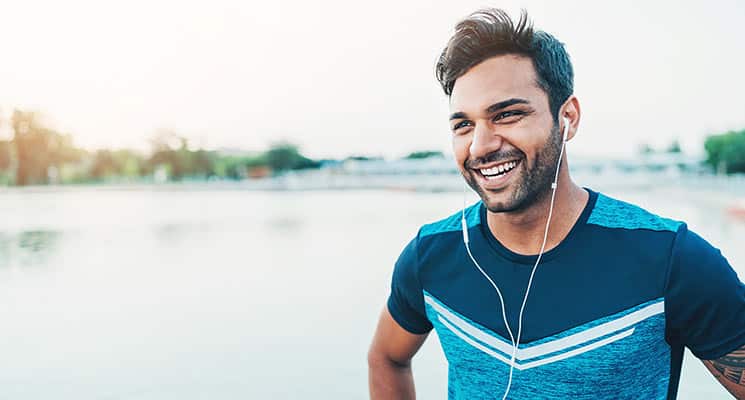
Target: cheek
x,y
461,148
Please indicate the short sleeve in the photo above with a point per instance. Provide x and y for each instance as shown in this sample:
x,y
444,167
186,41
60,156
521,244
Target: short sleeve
x,y
704,298
406,301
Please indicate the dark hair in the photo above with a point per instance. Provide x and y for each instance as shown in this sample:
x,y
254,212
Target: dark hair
x,y
490,32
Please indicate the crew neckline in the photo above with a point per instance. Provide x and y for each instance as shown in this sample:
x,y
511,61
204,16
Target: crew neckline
x,y
501,250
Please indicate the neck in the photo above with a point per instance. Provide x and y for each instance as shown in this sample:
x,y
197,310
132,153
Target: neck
x,y
522,231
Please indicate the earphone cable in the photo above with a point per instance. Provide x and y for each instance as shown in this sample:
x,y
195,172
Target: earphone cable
x,y
516,341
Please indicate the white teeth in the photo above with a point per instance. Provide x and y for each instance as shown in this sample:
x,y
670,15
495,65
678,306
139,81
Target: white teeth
x,y
498,169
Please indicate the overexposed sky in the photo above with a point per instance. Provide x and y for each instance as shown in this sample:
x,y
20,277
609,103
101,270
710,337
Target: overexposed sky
x,y
343,77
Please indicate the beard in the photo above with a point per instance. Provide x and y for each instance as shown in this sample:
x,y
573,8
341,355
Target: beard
x,y
533,182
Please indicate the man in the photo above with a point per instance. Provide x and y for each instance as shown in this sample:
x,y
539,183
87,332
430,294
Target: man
x,y
600,295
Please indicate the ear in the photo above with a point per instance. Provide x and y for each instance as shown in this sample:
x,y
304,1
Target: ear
x,y
570,110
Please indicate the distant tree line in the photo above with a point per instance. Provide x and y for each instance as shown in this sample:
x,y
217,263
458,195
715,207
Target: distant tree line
x,y
673,147
726,152
418,155
37,154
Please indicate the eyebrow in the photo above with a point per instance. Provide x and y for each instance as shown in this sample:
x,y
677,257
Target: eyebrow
x,y
492,108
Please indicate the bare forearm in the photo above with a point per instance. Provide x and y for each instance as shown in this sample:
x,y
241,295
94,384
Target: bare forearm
x,y
390,381
389,360
730,371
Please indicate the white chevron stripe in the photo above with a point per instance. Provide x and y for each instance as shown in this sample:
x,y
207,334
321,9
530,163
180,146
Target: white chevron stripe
x,y
474,343
537,363
579,350
553,346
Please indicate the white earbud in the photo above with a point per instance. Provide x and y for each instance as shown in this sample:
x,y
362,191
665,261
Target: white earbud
x,y
566,128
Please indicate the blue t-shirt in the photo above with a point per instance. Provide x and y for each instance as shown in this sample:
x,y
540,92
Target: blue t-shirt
x,y
609,313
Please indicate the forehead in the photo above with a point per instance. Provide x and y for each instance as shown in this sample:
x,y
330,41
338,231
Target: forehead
x,y
494,80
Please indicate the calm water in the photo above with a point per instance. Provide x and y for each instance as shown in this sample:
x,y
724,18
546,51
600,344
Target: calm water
x,y
220,294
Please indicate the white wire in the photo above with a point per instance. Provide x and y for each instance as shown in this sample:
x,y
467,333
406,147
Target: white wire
x,y
516,342
535,267
499,293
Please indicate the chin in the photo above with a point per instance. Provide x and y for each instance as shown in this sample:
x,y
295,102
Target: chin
x,y
499,205
496,201
498,197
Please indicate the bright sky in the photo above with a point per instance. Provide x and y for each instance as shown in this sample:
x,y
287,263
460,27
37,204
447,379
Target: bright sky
x,y
343,77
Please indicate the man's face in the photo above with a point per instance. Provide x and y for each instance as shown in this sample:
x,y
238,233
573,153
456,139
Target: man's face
x,y
504,137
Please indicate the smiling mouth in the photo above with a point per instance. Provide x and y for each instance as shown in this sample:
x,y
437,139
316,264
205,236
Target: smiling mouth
x,y
498,170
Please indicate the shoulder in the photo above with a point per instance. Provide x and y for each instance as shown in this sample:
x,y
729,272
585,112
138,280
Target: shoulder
x,y
452,223
692,252
613,213
435,241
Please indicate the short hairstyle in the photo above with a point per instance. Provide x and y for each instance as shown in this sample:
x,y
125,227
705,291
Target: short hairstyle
x,y
490,32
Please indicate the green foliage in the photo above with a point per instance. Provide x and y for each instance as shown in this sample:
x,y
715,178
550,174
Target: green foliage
x,y
39,152
726,152
109,164
674,147
417,155
359,157
181,161
232,167
259,160
645,149
285,156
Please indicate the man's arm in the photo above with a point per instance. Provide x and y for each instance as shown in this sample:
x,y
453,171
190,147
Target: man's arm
x,y
389,360
730,371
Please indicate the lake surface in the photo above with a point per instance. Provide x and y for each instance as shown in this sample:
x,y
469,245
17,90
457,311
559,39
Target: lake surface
x,y
230,294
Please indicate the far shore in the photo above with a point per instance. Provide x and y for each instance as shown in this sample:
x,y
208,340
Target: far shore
x,y
712,186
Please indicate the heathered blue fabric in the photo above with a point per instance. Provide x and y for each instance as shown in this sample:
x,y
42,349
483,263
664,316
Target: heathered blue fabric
x,y
616,261
601,373
612,213
452,223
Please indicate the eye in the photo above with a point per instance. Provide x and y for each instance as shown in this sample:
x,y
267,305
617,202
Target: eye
x,y
508,116
461,124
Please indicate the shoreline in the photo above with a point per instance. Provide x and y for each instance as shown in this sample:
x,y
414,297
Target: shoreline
x,y
727,186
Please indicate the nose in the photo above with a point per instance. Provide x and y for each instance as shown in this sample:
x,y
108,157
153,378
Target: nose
x,y
485,141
